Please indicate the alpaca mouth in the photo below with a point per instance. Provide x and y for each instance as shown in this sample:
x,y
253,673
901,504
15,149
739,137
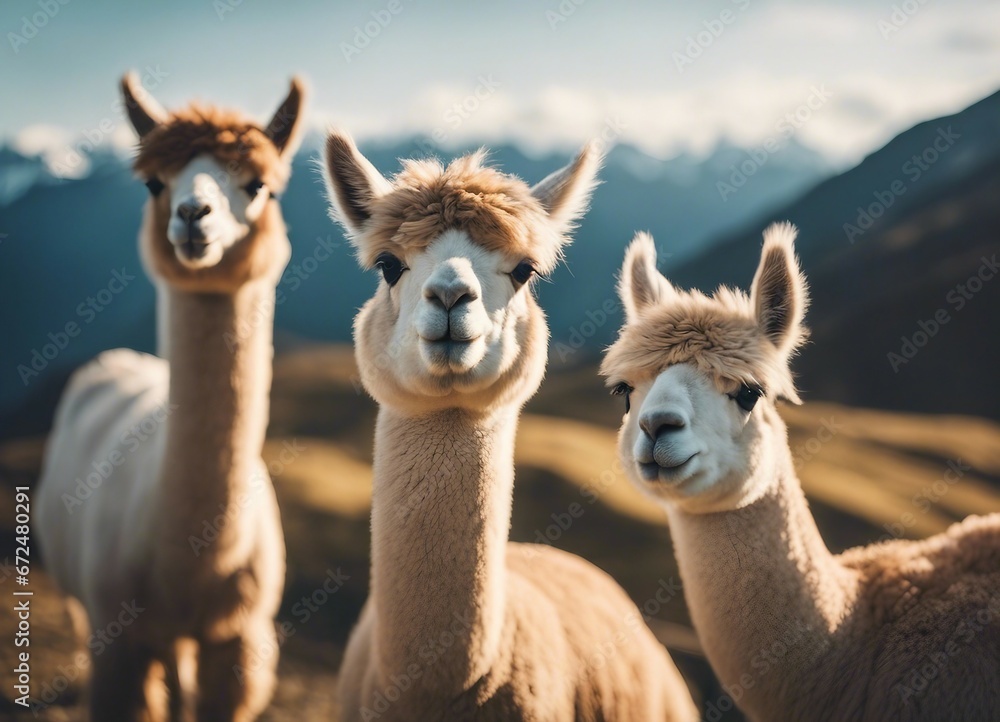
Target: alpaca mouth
x,y
449,355
449,336
669,471
194,250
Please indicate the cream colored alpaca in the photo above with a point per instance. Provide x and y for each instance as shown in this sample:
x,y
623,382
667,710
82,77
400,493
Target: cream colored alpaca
x,y
902,630
154,498
462,625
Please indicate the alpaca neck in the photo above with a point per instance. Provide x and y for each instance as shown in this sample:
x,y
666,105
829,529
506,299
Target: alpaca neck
x,y
764,591
440,519
220,351
163,293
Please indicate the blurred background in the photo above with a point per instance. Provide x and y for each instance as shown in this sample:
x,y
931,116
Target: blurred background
x,y
874,126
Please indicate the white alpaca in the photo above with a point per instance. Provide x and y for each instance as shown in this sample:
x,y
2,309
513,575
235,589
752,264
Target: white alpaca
x,y
460,624
154,495
901,630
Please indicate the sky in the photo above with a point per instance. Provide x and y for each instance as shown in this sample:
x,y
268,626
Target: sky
x,y
841,77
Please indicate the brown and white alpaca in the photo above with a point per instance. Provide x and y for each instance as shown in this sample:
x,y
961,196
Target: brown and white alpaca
x,y
460,623
902,630
179,527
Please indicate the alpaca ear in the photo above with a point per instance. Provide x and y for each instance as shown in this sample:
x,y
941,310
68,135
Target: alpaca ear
x,y
566,193
285,128
143,110
353,183
779,292
641,285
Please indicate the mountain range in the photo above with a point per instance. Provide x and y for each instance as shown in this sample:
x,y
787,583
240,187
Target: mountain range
x,y
887,246
64,243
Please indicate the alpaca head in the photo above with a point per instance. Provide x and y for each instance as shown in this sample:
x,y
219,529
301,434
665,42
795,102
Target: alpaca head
x,y
700,375
453,323
212,221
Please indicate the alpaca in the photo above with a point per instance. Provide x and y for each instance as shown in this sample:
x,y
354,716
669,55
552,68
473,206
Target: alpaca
x,y
461,624
901,630
179,524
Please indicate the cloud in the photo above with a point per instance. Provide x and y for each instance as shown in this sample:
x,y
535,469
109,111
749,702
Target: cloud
x,y
54,146
844,120
970,41
764,67
66,154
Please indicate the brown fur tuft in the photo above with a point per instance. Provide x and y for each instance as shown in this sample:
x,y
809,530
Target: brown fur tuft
x,y
719,334
237,143
497,210
731,336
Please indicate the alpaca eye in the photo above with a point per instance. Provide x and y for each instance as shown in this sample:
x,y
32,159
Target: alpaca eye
x,y
623,389
155,186
522,273
747,396
253,187
392,268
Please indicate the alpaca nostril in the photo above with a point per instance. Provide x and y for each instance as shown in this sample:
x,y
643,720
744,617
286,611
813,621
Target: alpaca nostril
x,y
450,296
190,212
662,422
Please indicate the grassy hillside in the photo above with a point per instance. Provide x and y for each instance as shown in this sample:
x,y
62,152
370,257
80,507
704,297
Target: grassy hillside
x,y
865,476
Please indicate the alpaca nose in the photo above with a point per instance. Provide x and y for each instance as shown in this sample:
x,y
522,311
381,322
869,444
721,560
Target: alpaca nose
x,y
449,290
659,422
193,211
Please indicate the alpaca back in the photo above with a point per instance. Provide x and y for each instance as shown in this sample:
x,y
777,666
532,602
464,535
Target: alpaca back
x,y
618,668
932,628
91,501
